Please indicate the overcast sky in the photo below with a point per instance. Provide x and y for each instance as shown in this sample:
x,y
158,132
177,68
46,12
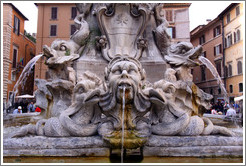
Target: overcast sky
x,y
199,11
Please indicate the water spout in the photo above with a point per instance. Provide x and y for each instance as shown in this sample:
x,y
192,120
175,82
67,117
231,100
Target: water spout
x,y
123,116
23,77
213,70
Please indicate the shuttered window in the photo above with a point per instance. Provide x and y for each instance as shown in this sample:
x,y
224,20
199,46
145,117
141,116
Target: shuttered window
x,y
14,62
73,12
54,13
16,28
72,29
217,31
53,30
169,15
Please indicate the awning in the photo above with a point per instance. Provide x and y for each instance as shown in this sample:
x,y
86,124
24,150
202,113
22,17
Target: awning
x,y
25,97
238,98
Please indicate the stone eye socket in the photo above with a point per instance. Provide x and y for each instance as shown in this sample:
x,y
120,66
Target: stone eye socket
x,y
63,48
131,71
117,71
81,90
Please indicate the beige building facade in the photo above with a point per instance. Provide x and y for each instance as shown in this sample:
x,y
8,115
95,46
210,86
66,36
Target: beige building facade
x,y
177,15
233,18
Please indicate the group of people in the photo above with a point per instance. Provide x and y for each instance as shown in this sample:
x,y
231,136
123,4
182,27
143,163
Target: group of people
x,y
30,108
224,108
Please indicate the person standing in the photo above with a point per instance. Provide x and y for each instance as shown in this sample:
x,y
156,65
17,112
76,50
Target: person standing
x,y
30,107
231,111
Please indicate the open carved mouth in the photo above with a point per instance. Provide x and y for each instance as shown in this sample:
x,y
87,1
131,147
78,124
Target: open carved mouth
x,y
93,96
122,84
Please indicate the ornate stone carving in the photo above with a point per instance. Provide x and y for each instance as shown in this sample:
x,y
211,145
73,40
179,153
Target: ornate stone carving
x,y
183,53
125,22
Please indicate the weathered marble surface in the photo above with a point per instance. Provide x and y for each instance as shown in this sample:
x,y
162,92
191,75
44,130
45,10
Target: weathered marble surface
x,y
209,146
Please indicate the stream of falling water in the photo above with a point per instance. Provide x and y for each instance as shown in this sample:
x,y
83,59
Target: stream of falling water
x,y
123,116
213,70
23,77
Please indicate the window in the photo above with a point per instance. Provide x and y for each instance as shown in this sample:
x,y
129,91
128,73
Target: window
x,y
171,32
73,12
202,39
16,25
11,97
231,89
218,67
237,10
237,36
15,54
13,76
229,40
217,50
54,13
225,40
239,67
219,91
228,18
229,70
169,15
72,29
217,31
226,71
47,75
211,91
53,30
240,87
204,54
203,73
192,71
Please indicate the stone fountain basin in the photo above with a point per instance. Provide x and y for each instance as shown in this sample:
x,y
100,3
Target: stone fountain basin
x,y
20,119
158,146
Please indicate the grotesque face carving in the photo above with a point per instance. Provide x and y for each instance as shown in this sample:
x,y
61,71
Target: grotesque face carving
x,y
124,72
82,90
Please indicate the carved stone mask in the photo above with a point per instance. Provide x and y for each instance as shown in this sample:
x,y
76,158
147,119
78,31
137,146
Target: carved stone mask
x,y
124,72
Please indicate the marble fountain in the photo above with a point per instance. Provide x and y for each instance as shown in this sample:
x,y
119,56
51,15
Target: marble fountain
x,y
119,88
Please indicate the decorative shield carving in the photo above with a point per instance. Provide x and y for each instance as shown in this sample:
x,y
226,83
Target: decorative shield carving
x,y
123,26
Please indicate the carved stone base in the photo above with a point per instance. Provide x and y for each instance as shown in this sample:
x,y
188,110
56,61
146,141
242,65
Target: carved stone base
x,y
199,146
155,69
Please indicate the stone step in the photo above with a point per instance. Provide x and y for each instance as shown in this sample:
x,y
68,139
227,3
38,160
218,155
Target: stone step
x,y
177,141
83,152
194,151
41,142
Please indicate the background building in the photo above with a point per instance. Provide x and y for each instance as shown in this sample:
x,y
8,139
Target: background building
x,y
177,15
233,17
222,42
55,21
18,49
210,38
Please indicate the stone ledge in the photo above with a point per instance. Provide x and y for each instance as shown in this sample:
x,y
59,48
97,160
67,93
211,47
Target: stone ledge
x,y
197,146
41,142
195,151
177,141
85,152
